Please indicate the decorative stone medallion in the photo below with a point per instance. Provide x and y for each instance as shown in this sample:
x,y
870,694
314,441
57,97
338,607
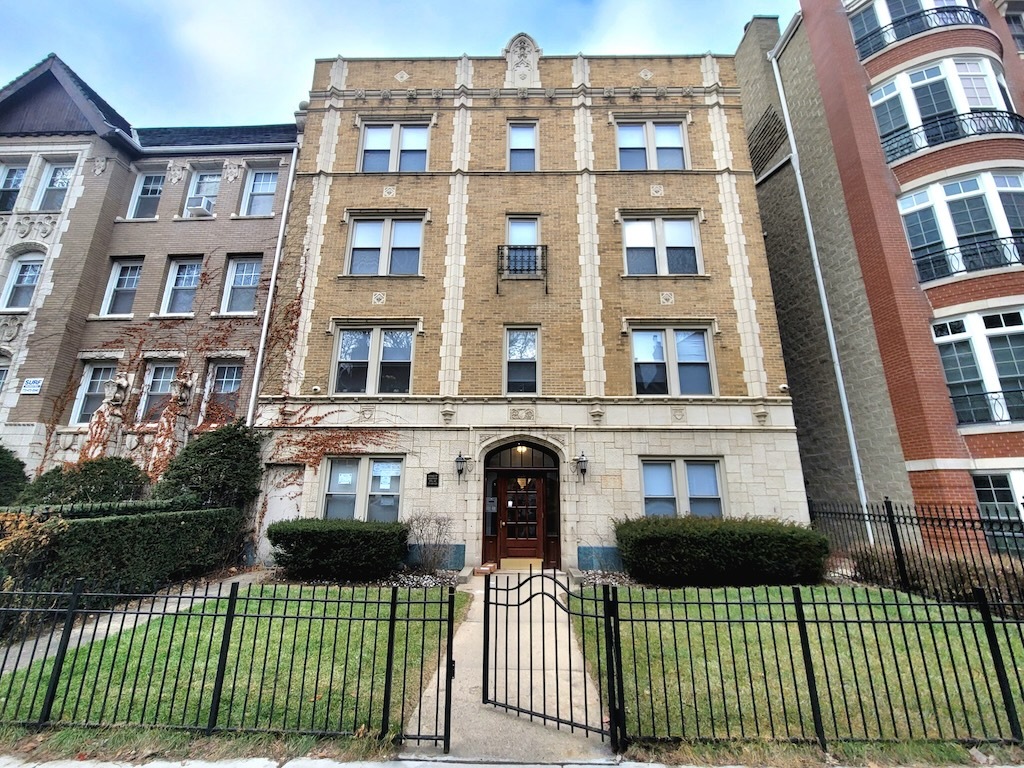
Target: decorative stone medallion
x,y
668,298
402,76
657,190
390,191
379,297
646,74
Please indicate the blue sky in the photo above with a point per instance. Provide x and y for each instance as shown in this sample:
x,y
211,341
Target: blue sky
x,y
222,62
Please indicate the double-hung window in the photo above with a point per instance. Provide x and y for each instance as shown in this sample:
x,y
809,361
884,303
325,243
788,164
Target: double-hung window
x,y
22,281
664,478
148,189
394,147
122,287
521,357
385,247
57,180
660,246
202,194
671,361
159,377
524,250
11,179
366,488
223,384
374,360
90,392
260,188
1000,515
182,283
243,280
522,146
655,146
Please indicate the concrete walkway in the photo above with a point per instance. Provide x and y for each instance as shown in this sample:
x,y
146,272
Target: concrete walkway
x,y
484,733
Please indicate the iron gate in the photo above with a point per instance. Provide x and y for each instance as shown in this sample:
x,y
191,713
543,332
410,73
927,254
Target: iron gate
x,y
552,654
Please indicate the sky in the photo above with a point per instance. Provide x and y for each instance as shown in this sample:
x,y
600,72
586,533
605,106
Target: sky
x,y
164,63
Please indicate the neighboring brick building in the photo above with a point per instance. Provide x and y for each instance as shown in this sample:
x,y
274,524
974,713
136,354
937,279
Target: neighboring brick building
x,y
530,293
134,267
911,156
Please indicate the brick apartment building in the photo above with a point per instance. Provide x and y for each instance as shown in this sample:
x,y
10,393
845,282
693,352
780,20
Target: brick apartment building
x,y
528,292
134,270
894,224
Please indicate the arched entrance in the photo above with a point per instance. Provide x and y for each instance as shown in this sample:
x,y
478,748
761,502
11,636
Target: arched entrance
x,y
521,507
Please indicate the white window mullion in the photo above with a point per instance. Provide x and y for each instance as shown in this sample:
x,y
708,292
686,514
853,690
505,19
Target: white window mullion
x,y
906,91
942,217
956,89
995,205
978,335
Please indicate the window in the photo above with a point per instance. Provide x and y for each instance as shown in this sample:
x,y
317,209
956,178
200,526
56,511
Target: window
x,y
204,184
983,361
651,146
243,279
366,488
22,281
394,147
521,360
1000,515
385,247
11,179
684,370
662,477
55,188
886,21
90,393
148,189
121,287
523,246
159,376
660,246
374,360
5,368
223,385
259,193
182,282
522,146
1015,21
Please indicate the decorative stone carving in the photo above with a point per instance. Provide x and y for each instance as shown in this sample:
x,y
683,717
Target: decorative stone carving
x,y
402,76
495,93
115,390
597,414
176,171
447,411
688,90
385,95
390,191
67,440
646,74
657,190
609,93
661,93
634,92
379,297
436,93
41,225
679,414
10,327
761,414
521,414
232,170
550,93
99,165
181,390
410,94
522,58
360,94
523,92
367,412
668,298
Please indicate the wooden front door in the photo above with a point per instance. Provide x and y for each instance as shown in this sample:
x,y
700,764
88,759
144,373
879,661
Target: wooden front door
x,y
520,516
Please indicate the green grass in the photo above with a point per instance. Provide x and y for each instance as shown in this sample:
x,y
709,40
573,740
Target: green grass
x,y
309,660
728,664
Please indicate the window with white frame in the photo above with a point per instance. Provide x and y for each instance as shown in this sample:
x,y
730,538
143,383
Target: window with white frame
x,y
5,369
11,179
682,366
183,279
521,356
122,287
522,146
941,102
205,184
698,479
90,391
965,225
524,249
651,145
146,198
56,181
983,360
22,281
243,280
883,22
365,488
659,246
385,247
224,381
394,147
260,187
160,374
1015,21
374,360
999,511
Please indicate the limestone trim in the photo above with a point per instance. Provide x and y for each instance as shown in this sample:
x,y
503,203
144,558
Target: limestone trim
x,y
983,305
591,306
969,465
339,74
522,58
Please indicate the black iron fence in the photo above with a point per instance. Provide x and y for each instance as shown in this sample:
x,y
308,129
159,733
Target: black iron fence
x,y
943,129
982,253
915,24
273,658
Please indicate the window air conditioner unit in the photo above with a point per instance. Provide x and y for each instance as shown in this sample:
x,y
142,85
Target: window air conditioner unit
x,y
199,206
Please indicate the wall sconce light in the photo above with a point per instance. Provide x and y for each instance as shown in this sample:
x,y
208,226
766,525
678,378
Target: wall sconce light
x,y
460,466
579,466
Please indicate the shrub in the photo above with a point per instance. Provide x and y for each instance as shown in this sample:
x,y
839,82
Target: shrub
x,y
99,480
338,550
693,551
12,476
100,509
430,536
219,468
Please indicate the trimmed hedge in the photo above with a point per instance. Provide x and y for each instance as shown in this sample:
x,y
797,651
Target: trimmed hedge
x,y
221,468
698,552
101,509
338,550
106,479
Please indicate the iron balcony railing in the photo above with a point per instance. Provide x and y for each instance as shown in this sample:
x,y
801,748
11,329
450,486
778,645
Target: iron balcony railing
x,y
916,23
946,128
1002,407
971,257
518,262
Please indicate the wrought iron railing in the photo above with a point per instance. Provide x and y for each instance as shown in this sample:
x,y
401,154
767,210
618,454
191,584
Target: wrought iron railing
x,y
982,254
946,128
1002,407
522,262
916,23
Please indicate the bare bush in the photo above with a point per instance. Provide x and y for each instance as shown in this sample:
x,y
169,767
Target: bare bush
x,y
431,533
